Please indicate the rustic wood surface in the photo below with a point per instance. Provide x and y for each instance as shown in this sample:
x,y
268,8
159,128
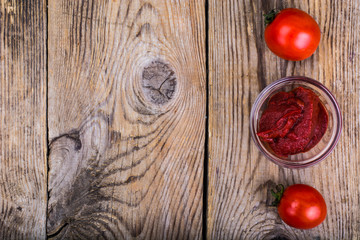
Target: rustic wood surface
x,y
127,91
240,66
23,148
116,90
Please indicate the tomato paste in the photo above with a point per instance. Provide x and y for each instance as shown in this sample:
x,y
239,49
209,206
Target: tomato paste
x,y
293,122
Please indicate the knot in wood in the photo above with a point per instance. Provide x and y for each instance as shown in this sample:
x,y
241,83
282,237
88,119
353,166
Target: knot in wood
x,y
277,234
158,82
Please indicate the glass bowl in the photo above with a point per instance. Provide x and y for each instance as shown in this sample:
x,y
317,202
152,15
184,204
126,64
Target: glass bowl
x,y
322,149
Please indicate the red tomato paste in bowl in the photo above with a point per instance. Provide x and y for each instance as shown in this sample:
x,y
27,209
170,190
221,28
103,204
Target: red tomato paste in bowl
x,y
293,122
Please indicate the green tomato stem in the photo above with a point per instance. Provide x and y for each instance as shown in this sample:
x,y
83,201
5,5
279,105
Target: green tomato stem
x,y
270,16
277,195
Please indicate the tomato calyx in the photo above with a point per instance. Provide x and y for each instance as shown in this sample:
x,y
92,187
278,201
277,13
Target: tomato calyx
x,y
278,194
270,16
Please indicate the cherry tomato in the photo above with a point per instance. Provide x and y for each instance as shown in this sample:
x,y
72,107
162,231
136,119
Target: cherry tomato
x,y
301,206
293,34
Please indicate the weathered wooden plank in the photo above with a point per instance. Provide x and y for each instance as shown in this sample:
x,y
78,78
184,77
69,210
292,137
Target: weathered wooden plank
x,y
23,170
126,119
240,67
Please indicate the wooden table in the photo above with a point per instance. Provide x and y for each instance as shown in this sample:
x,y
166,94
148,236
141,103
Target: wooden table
x,y
130,119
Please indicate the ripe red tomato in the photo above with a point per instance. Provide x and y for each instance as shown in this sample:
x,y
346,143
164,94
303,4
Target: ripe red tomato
x,y
293,34
302,206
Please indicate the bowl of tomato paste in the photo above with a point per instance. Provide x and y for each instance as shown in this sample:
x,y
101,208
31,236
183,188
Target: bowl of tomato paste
x,y
295,122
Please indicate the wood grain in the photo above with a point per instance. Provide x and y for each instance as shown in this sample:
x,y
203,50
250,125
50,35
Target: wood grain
x,y
240,66
126,119
23,170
